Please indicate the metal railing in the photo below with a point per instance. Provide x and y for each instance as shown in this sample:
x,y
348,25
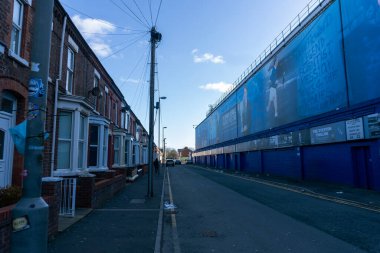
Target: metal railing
x,y
68,193
279,40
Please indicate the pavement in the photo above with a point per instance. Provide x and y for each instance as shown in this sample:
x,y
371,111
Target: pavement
x,y
129,222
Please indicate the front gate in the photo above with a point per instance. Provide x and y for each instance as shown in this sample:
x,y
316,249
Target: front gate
x,y
68,191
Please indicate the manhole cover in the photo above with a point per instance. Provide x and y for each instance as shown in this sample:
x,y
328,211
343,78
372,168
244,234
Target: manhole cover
x,y
209,233
137,201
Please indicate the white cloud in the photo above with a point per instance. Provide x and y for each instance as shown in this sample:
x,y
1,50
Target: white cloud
x,y
206,57
91,30
100,48
129,80
221,86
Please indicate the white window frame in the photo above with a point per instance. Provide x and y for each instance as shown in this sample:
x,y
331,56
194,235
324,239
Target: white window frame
x,y
105,147
122,120
102,150
134,155
70,70
109,107
117,114
127,151
69,140
105,101
145,155
18,27
82,141
96,84
116,150
95,145
75,141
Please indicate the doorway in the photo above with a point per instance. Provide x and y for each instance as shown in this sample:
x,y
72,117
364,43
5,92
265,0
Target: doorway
x,y
361,161
6,150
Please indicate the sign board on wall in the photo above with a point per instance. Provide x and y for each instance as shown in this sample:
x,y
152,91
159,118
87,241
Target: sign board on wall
x,y
354,129
372,125
334,132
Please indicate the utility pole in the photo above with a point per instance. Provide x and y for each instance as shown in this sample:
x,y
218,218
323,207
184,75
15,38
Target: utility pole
x,y
154,38
30,216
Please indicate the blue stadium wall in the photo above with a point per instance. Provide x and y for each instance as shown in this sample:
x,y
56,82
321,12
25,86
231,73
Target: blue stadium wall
x,y
312,111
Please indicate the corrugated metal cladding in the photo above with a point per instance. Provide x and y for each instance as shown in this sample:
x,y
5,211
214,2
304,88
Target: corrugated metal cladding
x,y
250,162
282,162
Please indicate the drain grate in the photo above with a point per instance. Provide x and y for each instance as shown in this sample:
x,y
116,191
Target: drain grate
x,y
209,233
137,201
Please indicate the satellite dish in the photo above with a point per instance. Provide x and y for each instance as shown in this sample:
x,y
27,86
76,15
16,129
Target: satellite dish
x,y
95,91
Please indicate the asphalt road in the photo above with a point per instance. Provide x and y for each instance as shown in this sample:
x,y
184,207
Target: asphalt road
x,y
220,213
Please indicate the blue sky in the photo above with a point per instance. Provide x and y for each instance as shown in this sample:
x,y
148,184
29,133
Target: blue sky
x,y
206,45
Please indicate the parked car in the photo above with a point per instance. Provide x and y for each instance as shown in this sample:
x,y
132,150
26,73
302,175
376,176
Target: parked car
x,y
177,162
170,162
189,162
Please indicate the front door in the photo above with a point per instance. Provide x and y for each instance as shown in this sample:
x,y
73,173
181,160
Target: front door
x,y
6,150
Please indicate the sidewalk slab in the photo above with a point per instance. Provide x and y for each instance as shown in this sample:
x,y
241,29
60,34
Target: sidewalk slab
x,y
65,222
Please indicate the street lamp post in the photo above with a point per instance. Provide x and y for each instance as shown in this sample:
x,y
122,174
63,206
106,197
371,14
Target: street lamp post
x,y
159,127
163,143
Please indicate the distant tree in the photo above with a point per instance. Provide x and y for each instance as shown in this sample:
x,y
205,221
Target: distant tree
x,y
171,153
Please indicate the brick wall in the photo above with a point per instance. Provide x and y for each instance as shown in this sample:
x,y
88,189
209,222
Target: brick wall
x,y
5,229
85,192
93,192
51,192
107,188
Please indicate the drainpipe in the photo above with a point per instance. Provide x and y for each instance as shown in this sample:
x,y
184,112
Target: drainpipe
x,y
56,97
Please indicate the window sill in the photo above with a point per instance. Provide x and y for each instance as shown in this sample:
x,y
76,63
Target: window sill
x,y
69,173
52,179
119,166
18,58
97,169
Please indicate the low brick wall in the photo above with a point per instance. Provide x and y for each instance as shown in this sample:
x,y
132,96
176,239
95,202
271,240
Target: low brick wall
x,y
5,229
51,192
85,192
107,188
93,192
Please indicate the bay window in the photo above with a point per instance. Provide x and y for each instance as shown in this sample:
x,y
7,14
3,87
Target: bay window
x,y
72,144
